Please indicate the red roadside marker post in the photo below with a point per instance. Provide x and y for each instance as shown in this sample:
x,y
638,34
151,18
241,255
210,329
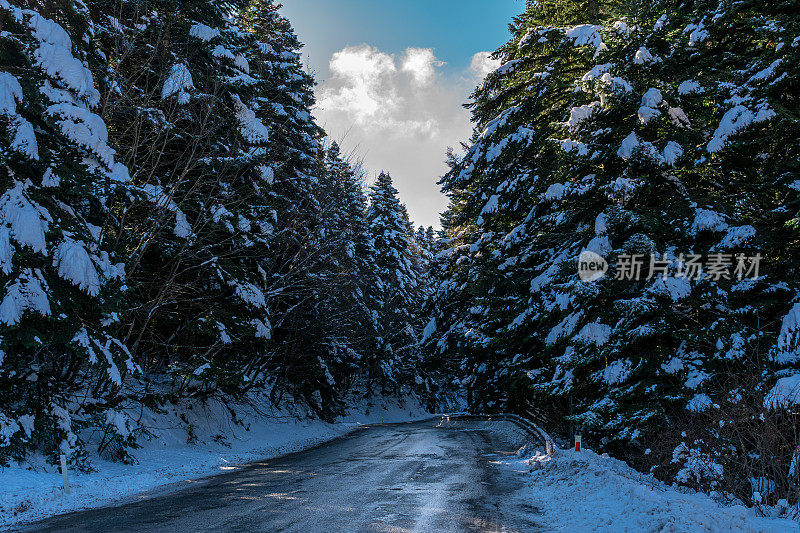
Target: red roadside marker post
x,y
577,442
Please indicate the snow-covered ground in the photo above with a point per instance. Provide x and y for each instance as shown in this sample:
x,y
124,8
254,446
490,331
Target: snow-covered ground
x,y
169,460
584,491
568,491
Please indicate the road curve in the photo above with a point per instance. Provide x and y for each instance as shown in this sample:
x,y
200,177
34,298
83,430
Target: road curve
x,y
397,477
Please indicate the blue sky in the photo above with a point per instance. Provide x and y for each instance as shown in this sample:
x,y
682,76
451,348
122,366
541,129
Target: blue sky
x,y
393,77
454,29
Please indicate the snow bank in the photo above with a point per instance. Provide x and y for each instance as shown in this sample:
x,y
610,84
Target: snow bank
x,y
588,492
513,434
175,456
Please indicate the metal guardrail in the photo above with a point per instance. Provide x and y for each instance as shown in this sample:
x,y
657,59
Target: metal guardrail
x,y
523,423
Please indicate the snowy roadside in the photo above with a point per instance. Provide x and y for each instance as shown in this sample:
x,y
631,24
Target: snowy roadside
x,y
569,491
585,491
167,462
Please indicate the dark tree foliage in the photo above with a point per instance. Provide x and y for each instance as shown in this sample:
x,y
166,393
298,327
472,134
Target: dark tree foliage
x,y
662,129
174,228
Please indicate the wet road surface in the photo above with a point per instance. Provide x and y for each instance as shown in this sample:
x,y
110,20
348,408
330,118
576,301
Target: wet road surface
x,y
393,478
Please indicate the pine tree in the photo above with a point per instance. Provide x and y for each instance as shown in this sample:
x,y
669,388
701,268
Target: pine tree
x,y
179,80
299,263
350,315
175,230
619,130
61,367
398,288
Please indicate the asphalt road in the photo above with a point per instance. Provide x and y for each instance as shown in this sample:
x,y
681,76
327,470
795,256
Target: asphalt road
x,y
400,477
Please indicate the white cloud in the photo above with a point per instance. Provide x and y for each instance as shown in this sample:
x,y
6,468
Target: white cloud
x,y
482,64
420,64
361,84
400,113
368,89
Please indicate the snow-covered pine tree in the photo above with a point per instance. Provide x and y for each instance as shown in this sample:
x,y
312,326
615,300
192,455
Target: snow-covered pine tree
x,y
626,130
419,237
247,233
424,251
349,315
426,240
248,260
180,95
301,260
61,368
423,255
399,286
